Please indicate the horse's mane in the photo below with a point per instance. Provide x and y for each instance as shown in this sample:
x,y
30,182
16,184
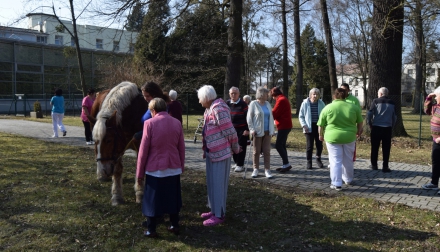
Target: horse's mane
x,y
117,100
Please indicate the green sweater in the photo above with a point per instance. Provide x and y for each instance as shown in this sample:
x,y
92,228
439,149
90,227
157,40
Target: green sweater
x,y
340,122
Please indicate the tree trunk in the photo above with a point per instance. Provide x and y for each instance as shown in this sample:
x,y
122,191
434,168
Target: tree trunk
x,y
285,61
386,54
78,51
235,46
417,14
298,55
330,53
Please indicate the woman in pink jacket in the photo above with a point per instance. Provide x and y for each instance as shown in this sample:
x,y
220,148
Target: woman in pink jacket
x,y
161,161
219,141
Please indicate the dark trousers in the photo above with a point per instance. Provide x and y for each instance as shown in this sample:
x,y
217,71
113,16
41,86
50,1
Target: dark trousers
x,y
152,222
313,139
280,144
87,131
242,141
379,134
435,156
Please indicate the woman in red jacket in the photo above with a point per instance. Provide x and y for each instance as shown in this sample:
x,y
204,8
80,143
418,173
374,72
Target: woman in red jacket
x,y
282,115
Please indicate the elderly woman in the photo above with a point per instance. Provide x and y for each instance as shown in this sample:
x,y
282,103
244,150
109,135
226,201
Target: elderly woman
x,y
261,127
219,141
247,99
161,162
174,107
434,111
309,112
339,124
282,113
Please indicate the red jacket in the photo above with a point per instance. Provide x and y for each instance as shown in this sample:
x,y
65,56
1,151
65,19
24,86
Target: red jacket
x,y
282,113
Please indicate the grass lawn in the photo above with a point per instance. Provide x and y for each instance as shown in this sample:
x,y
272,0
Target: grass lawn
x,y
51,201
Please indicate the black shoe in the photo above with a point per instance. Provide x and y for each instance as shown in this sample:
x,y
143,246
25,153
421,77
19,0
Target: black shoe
x,y
309,164
285,169
373,167
64,133
173,230
319,162
386,170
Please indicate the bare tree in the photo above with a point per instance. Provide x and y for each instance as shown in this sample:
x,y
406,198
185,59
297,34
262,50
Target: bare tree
x,y
329,41
298,55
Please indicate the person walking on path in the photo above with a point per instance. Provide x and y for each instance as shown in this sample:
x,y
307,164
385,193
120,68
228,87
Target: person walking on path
x,y
57,103
381,118
339,124
161,163
219,141
282,114
308,117
434,111
239,110
175,107
87,104
261,127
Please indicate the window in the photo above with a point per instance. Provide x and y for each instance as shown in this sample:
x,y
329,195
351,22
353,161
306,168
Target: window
x,y
356,93
410,71
116,46
431,71
98,43
131,48
58,40
72,41
41,39
429,84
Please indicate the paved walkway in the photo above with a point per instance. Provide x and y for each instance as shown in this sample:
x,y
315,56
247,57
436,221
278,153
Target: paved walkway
x,y
402,185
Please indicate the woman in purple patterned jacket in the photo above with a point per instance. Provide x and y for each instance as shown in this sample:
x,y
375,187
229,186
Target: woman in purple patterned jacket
x,y
219,141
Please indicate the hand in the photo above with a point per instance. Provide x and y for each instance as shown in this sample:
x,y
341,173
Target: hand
x,y
246,133
140,181
306,129
321,138
437,140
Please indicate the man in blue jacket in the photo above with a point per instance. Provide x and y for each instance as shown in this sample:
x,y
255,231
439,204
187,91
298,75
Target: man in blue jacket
x,y
381,117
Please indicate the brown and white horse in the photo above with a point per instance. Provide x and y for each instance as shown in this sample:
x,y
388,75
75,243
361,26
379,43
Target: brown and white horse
x,y
116,116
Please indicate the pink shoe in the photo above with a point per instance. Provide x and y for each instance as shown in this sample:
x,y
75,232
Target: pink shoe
x,y
206,215
213,221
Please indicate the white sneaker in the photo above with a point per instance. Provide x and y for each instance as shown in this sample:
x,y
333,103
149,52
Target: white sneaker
x,y
239,169
347,183
93,142
54,136
268,174
89,143
337,188
255,173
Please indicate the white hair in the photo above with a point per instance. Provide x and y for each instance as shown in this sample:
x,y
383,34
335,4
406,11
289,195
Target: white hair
x,y
247,98
234,88
206,93
260,92
117,100
314,91
383,90
437,91
173,94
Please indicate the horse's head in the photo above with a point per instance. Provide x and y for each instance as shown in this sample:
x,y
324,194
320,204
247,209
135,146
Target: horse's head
x,y
109,145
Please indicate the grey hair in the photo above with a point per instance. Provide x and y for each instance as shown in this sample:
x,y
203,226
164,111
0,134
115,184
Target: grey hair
x,y
247,98
158,104
206,93
315,91
260,92
383,90
172,94
234,88
437,91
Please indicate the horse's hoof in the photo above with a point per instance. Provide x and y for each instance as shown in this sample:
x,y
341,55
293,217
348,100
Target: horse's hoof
x,y
116,202
139,200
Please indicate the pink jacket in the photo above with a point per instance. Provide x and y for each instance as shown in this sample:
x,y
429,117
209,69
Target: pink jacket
x,y
162,145
220,137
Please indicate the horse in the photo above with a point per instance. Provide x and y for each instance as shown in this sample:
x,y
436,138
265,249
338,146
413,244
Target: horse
x,y
115,117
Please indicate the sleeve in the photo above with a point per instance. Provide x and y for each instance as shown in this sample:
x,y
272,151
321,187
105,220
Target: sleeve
x,y
245,110
277,109
370,113
146,116
228,131
359,117
181,148
322,121
301,117
427,106
250,116
143,151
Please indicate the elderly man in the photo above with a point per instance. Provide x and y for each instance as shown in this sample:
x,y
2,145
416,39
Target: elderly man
x,y
239,110
381,118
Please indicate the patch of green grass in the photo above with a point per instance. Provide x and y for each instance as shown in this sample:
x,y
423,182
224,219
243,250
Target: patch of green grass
x,y
52,201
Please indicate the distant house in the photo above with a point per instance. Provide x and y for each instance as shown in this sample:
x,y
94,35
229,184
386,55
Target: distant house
x,y
45,28
350,74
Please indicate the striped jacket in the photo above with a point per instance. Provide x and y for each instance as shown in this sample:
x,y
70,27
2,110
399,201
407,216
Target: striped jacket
x,y
434,111
219,135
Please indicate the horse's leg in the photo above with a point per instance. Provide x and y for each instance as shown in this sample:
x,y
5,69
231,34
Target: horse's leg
x,y
139,189
117,197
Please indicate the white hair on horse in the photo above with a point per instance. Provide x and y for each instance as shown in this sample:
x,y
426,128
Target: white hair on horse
x,y
117,100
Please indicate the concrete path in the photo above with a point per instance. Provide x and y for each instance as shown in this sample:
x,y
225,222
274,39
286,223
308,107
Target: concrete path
x,y
402,185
